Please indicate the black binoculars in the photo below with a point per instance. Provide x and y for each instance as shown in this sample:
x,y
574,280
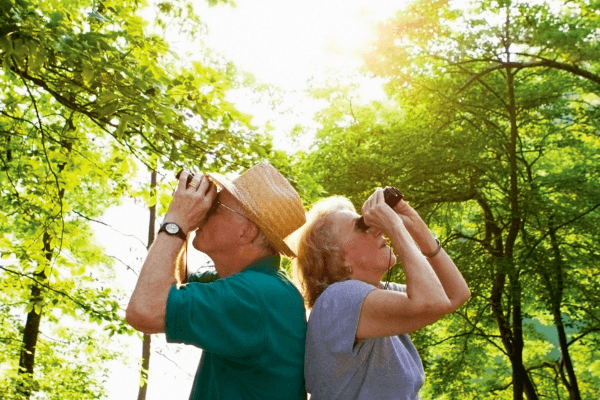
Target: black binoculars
x,y
391,196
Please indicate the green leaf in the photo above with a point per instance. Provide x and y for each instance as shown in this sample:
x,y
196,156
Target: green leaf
x,y
121,128
87,74
109,108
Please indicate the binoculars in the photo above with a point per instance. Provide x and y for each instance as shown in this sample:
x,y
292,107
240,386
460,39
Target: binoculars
x,y
391,196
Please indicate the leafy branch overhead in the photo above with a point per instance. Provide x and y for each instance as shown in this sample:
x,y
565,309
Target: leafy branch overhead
x,y
103,65
84,90
490,128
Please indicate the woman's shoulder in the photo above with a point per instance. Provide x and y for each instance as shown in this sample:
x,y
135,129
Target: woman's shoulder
x,y
343,294
348,285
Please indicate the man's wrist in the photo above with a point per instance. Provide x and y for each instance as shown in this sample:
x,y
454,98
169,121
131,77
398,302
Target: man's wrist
x,y
173,229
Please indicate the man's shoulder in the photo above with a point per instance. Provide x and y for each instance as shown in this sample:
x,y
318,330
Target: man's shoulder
x,y
276,281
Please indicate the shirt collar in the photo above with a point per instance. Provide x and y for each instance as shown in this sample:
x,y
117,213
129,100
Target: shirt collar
x,y
269,264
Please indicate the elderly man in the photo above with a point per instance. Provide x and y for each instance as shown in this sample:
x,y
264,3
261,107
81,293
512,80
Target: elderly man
x,y
250,319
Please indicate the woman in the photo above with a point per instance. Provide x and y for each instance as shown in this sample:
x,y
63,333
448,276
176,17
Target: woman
x,y
357,345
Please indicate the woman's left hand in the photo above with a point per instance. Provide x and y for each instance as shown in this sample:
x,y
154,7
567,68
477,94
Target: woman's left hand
x,y
412,220
416,227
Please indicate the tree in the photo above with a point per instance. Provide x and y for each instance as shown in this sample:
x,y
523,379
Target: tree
x,y
484,140
83,91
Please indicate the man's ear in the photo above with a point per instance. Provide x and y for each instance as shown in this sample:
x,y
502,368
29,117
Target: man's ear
x,y
248,232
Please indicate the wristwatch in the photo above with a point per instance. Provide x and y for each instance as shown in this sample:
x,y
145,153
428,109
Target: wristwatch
x,y
171,228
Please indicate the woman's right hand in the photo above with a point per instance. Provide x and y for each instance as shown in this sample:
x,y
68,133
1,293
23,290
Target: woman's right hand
x,y
378,215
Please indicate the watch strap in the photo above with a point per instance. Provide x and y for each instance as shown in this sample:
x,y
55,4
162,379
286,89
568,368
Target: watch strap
x,y
179,233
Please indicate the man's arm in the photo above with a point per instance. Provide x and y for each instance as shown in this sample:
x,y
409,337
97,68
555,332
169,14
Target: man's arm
x,y
147,307
148,304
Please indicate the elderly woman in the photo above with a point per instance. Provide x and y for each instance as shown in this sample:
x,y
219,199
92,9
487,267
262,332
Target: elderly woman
x,y
357,344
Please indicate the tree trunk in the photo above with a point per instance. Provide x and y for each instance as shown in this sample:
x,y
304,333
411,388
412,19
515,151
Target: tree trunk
x,y
556,301
32,325
512,336
147,338
518,369
32,329
145,366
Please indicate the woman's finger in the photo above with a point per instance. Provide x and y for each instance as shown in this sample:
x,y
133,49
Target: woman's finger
x,y
372,200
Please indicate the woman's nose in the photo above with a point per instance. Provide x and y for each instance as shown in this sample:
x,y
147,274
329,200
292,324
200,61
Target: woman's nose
x,y
375,232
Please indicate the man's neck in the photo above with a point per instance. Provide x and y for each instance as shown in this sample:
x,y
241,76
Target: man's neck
x,y
235,261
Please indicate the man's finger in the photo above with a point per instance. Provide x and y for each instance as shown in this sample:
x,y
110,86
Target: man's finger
x,y
183,175
195,182
204,184
212,189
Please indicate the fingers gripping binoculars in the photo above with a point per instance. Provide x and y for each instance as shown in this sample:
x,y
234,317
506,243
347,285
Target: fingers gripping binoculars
x,y
189,178
391,196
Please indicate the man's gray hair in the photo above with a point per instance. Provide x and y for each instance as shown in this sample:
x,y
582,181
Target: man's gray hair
x,y
261,240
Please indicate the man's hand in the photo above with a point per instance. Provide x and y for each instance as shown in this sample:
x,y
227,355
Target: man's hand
x,y
190,204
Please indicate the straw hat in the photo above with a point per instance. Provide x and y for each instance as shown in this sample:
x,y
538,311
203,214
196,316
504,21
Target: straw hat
x,y
269,199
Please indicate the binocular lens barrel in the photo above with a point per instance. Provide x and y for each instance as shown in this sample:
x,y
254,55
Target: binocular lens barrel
x,y
391,195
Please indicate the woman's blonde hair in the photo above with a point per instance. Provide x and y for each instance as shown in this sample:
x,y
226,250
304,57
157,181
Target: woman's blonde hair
x,y
320,255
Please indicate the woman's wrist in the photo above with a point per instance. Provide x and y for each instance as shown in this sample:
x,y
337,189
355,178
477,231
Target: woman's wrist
x,y
422,236
430,254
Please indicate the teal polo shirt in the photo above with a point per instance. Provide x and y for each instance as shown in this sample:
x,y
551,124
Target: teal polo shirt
x,y
252,329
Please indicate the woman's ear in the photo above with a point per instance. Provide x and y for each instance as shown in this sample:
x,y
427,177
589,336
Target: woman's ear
x,y
348,267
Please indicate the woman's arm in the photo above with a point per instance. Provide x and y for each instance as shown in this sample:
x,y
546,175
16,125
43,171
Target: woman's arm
x,y
386,313
450,277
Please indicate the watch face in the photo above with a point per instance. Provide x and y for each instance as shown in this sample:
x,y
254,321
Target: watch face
x,y
172,228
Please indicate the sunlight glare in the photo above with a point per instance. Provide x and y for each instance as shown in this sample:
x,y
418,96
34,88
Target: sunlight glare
x,y
286,43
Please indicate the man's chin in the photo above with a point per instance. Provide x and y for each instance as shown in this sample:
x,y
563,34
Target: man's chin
x,y
196,241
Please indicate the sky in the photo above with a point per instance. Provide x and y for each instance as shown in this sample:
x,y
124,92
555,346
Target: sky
x,y
292,43
281,42
287,42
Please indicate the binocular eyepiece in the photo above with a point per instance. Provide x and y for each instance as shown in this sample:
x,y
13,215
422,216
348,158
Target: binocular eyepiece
x,y
391,195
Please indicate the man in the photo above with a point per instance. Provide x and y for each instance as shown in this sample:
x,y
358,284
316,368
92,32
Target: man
x,y
250,322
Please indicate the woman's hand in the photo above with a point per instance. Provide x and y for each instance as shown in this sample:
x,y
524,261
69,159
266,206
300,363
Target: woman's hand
x,y
378,215
190,204
416,227
409,216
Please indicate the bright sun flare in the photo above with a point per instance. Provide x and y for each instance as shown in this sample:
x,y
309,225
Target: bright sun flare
x,y
287,42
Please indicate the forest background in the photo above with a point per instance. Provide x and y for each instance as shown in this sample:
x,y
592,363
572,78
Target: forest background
x,y
488,123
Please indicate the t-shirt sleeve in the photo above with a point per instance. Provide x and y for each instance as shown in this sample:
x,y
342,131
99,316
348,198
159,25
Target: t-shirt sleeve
x,y
337,313
223,317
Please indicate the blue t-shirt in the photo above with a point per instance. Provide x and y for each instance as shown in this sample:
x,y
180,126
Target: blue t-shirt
x,y
252,329
338,368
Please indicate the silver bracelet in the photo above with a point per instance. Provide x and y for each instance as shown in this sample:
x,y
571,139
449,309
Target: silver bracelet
x,y
435,252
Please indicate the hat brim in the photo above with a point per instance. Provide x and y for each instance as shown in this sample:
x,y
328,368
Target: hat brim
x,y
224,183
